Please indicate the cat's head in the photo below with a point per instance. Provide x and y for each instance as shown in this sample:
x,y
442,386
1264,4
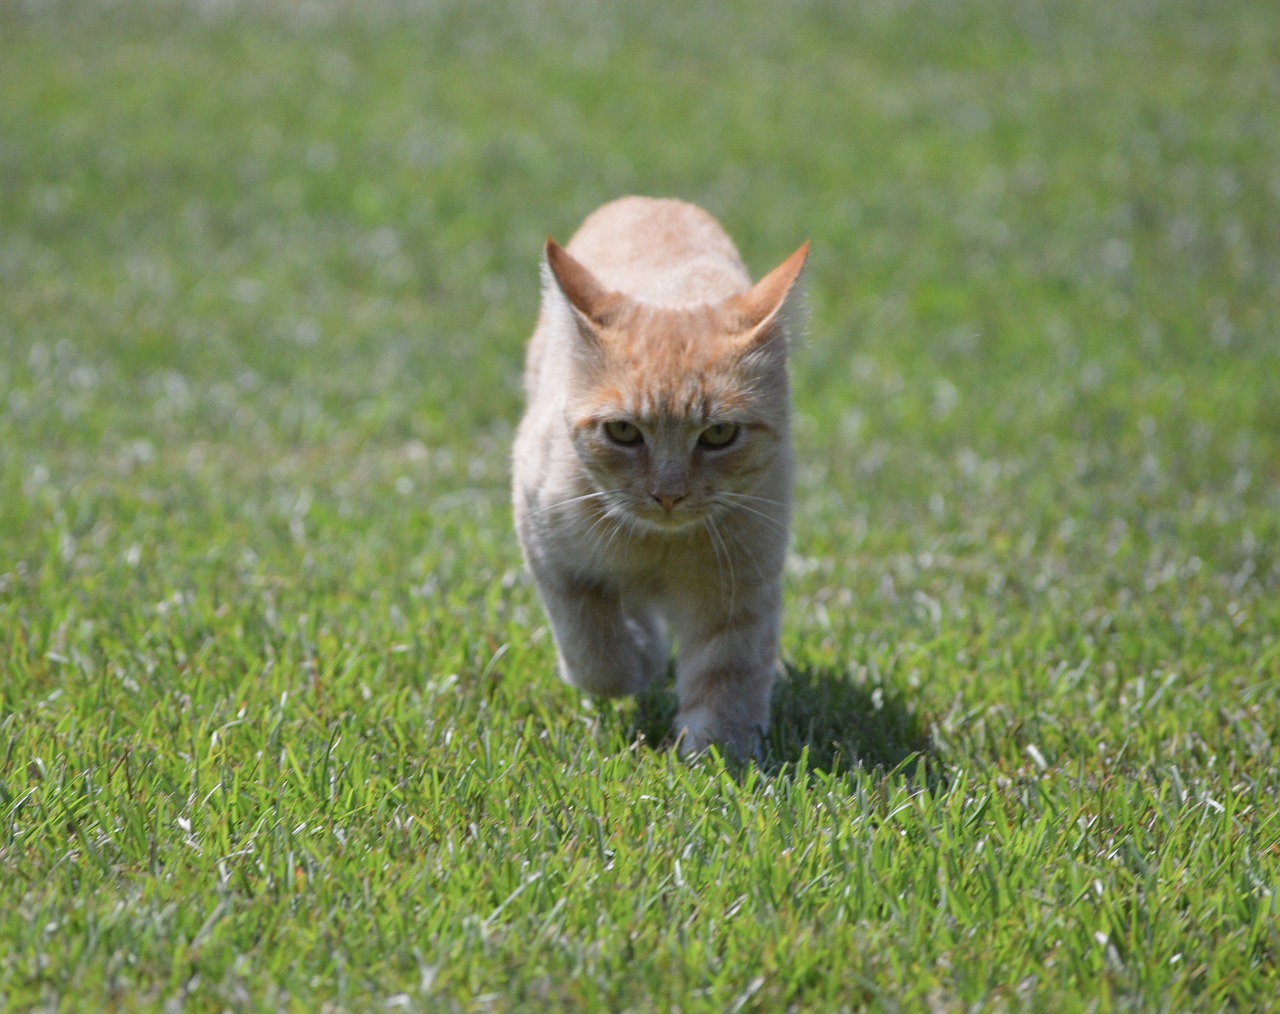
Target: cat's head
x,y
680,414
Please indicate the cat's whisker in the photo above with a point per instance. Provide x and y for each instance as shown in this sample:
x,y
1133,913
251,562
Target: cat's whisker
x,y
715,549
621,522
615,519
744,546
717,545
619,525
601,495
599,523
751,496
777,525
627,527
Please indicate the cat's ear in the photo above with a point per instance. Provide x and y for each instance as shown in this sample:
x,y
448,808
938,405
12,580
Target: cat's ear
x,y
594,303
764,306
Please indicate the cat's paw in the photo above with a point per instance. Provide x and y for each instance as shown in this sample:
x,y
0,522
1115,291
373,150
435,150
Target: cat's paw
x,y
697,730
616,662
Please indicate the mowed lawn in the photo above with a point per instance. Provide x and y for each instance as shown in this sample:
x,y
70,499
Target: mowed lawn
x,y
279,726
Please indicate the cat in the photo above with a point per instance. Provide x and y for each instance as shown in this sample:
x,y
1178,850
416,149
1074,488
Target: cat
x,y
652,469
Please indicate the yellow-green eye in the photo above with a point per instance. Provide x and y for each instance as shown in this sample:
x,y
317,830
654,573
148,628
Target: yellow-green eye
x,y
719,435
620,431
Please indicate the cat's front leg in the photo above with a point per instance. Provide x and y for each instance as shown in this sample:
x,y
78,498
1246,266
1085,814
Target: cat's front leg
x,y
724,677
605,645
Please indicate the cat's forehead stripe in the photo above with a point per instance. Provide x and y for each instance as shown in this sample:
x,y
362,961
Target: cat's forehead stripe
x,y
695,399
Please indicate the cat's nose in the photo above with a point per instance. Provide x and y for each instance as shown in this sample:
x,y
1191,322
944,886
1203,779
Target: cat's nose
x,y
668,501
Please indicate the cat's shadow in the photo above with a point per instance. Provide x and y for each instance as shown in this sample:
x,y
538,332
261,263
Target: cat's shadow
x,y
840,724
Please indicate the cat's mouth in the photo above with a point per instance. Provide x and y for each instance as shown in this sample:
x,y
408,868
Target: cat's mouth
x,y
678,518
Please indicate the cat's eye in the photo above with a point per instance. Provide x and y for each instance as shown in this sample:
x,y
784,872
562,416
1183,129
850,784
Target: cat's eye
x,y
620,431
719,435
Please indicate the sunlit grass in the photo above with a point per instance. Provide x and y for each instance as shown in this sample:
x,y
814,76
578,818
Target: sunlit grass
x,y
279,725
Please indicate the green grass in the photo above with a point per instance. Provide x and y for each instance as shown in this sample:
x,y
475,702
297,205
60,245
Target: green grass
x,y
279,726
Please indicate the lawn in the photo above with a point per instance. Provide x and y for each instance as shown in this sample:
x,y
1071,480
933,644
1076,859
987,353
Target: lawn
x,y
279,724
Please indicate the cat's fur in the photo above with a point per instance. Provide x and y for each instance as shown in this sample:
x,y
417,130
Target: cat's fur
x,y
652,332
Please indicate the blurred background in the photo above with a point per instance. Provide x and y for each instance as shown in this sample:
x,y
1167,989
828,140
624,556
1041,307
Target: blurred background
x,y
263,261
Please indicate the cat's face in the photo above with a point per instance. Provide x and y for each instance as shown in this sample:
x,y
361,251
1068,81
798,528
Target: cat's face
x,y
677,415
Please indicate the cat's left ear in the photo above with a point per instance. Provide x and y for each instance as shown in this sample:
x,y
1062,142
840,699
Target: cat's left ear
x,y
765,305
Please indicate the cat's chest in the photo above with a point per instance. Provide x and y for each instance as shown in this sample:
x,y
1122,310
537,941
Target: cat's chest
x,y
671,567
653,562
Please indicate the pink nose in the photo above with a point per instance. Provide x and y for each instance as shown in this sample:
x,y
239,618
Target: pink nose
x,y
668,502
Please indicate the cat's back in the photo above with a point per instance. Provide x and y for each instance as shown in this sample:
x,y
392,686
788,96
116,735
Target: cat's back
x,y
660,251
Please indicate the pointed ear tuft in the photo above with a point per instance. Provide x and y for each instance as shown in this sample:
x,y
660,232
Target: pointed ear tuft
x,y
762,305
580,287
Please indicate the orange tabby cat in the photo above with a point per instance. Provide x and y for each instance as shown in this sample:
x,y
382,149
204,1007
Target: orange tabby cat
x,y
652,469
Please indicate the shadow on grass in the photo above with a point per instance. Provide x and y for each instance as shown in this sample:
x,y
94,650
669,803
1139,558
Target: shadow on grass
x,y
841,724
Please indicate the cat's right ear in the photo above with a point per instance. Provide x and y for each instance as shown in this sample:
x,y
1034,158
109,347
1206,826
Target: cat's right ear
x,y
593,303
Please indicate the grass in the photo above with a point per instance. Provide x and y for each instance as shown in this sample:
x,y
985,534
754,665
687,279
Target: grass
x,y
278,720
